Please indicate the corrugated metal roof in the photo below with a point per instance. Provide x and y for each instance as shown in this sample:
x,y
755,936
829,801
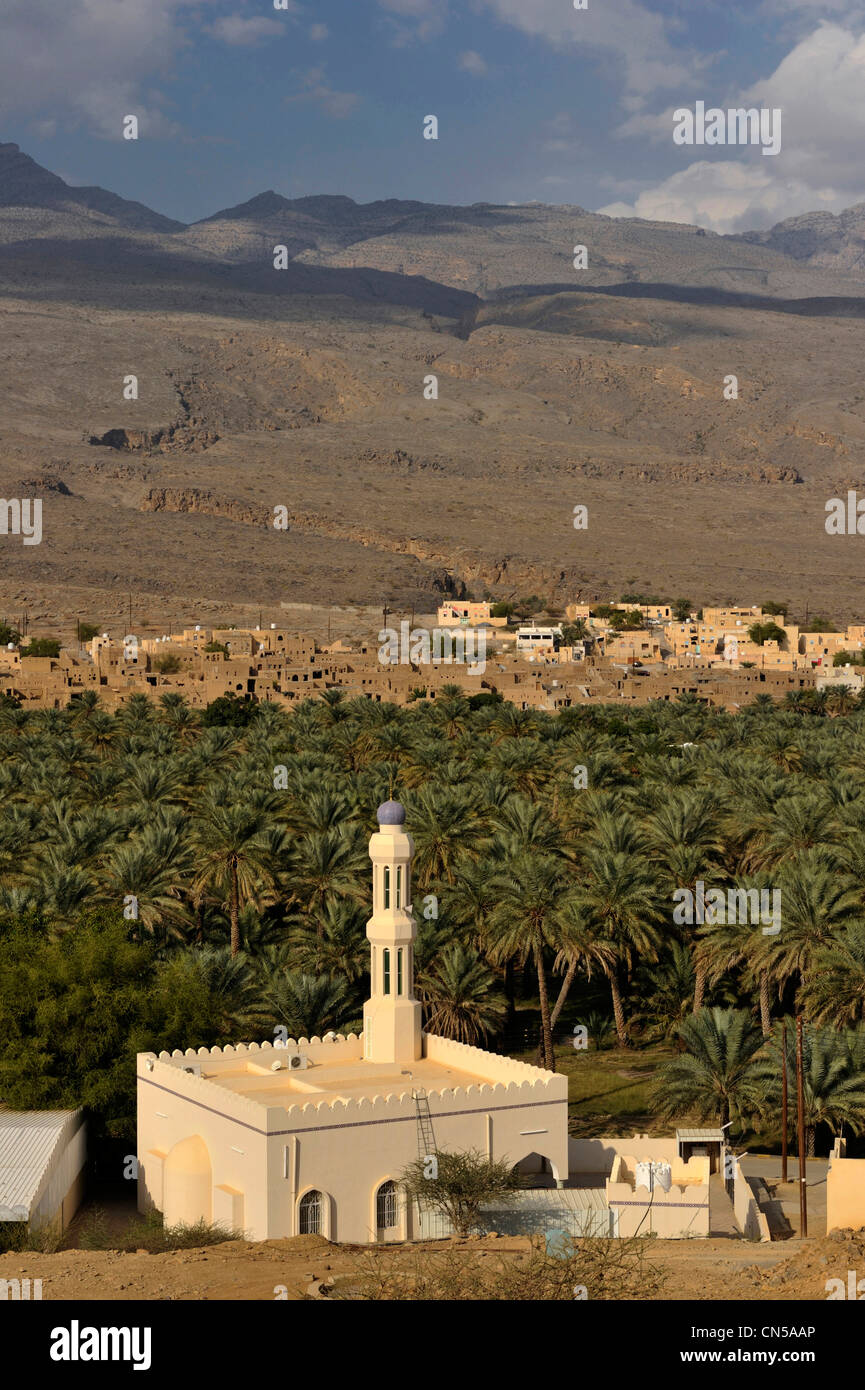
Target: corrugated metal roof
x,y
28,1142
699,1136
572,1198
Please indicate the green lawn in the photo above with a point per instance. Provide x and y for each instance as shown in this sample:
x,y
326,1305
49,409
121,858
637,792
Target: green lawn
x,y
609,1091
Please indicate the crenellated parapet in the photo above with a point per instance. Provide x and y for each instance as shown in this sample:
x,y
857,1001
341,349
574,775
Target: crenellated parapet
x,y
243,1048
166,1072
323,1112
501,1069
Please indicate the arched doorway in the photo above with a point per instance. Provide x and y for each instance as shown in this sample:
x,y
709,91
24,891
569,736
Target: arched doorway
x,y
310,1214
536,1170
388,1225
188,1193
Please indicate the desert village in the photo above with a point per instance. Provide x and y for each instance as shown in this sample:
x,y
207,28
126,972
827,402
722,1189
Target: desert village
x,y
710,656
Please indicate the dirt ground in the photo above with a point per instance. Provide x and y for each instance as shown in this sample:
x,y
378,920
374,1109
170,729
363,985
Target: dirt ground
x,y
718,1269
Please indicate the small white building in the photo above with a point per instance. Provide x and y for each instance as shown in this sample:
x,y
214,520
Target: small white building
x,y
42,1159
532,638
311,1137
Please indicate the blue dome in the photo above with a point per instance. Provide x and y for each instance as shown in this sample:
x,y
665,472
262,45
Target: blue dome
x,y
391,813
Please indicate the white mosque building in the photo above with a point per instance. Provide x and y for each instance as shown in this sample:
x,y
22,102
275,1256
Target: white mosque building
x,y
311,1136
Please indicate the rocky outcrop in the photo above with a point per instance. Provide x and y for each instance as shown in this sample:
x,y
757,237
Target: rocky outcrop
x,y
174,438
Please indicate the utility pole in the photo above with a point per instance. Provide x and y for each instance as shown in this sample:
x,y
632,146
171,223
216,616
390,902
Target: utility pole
x,y
800,1097
784,1100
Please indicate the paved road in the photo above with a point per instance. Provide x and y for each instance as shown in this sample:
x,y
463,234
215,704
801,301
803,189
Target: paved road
x,y
768,1167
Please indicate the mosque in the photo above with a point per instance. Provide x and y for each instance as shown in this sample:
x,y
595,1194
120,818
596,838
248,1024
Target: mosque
x,y
312,1135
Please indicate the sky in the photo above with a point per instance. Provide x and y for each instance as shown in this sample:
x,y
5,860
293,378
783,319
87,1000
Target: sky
x,y
535,101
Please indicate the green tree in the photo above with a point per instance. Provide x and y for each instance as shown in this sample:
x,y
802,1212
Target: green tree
x,y
307,1005
460,1184
167,665
618,893
74,1012
460,996
716,1077
530,890
761,633
42,646
232,852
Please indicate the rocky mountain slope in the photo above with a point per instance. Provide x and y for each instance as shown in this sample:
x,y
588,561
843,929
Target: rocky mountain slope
x,y
819,239
311,388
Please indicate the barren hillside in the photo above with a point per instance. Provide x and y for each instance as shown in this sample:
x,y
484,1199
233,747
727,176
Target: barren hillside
x,y
304,388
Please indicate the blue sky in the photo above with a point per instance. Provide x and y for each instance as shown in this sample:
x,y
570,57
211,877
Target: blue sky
x,y
535,101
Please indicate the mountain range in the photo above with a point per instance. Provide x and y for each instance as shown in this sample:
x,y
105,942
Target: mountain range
x,y
309,387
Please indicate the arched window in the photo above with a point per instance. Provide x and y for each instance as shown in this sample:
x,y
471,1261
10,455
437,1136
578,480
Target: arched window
x,y
385,960
399,887
311,1209
399,971
387,885
386,1213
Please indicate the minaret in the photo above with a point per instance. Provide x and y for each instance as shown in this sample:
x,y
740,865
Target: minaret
x,y
391,1015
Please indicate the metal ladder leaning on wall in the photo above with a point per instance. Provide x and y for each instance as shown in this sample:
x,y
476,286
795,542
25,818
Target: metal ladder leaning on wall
x,y
426,1142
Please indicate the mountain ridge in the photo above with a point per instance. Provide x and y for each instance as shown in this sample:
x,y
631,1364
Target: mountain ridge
x,y
322,228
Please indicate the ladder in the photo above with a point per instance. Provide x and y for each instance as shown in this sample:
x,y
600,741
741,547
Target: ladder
x,y
426,1147
426,1141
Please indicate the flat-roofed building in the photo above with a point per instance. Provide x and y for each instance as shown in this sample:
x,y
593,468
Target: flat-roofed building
x,y
312,1136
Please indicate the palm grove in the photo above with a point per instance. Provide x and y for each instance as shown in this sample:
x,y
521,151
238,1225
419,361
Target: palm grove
x,y
548,849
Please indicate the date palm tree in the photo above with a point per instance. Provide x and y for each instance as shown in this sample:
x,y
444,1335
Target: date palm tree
x,y
324,864
835,991
231,850
307,1005
530,889
816,904
620,895
150,870
333,944
717,1076
448,830
668,991
833,1080
460,996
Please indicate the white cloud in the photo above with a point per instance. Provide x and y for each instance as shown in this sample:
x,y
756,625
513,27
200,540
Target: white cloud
x,y
415,19
318,91
472,62
818,87
319,32
238,31
86,61
634,35
728,196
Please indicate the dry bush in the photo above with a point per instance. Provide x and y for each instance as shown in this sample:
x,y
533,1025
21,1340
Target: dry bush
x,y
607,1269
